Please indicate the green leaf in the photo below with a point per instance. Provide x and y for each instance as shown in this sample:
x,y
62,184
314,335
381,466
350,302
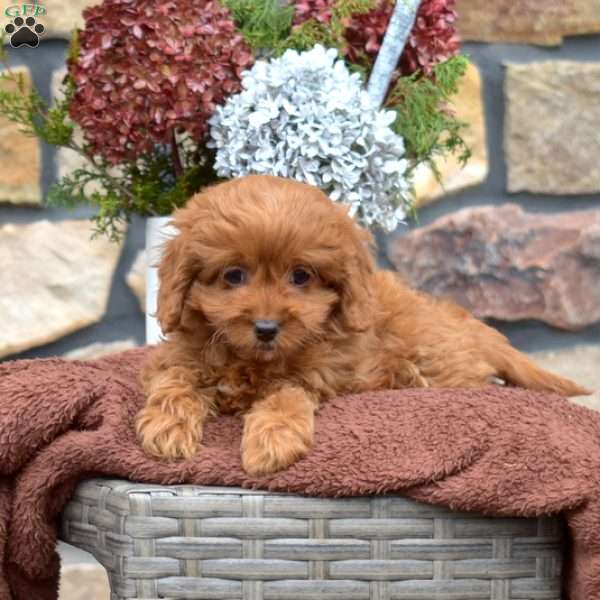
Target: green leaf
x,y
263,23
424,116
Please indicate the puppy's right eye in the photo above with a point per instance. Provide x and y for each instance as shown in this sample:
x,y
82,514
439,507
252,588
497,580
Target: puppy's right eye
x,y
235,276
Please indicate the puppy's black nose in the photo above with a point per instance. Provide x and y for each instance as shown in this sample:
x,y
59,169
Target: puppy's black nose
x,y
266,330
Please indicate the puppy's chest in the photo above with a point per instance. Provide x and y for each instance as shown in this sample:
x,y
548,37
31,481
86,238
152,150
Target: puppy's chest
x,y
234,390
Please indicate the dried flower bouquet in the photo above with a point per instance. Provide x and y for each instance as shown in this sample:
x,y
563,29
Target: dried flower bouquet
x,y
169,96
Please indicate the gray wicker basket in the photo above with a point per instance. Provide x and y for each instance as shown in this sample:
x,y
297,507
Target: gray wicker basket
x,y
226,543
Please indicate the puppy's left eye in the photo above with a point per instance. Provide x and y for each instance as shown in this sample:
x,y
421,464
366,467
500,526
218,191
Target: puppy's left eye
x,y
300,276
235,276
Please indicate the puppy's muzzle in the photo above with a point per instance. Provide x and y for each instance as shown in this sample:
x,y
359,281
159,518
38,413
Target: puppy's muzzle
x,y
266,331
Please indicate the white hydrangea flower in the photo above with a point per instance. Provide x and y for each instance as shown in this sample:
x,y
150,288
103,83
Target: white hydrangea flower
x,y
306,117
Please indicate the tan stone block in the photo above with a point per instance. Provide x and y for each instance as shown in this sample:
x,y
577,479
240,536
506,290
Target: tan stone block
x,y
20,157
62,18
98,350
527,21
469,107
55,280
136,278
580,364
551,136
83,582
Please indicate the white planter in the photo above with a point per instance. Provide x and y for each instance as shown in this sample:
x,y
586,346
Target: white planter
x,y
157,232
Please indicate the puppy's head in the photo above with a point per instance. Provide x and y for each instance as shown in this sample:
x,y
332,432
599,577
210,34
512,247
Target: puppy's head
x,y
266,266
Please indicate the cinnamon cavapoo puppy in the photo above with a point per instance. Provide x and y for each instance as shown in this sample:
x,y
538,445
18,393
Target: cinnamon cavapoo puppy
x,y
272,303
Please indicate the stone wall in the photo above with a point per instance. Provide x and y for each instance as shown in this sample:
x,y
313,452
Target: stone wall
x,y
535,113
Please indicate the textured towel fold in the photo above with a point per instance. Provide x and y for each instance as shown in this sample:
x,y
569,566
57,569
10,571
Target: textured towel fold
x,y
503,452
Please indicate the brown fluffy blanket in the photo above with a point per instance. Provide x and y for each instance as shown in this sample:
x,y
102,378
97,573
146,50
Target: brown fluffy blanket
x,y
503,452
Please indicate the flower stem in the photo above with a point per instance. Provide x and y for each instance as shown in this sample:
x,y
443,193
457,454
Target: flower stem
x,y
399,28
175,152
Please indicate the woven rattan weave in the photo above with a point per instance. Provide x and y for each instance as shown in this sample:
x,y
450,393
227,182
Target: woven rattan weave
x,y
231,544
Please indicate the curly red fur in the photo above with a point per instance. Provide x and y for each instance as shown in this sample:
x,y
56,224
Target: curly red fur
x,y
350,328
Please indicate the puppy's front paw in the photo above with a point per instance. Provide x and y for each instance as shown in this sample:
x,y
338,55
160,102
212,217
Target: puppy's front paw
x,y
167,436
269,446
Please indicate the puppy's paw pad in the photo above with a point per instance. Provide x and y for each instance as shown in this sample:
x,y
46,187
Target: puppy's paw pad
x,y
272,450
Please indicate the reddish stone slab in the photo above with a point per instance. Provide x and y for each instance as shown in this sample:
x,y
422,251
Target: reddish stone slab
x,y
504,263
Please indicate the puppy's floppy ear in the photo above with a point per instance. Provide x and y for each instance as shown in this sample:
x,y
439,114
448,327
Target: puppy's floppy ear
x,y
358,268
176,274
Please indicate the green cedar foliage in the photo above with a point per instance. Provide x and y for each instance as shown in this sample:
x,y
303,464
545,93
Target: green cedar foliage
x,y
424,112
